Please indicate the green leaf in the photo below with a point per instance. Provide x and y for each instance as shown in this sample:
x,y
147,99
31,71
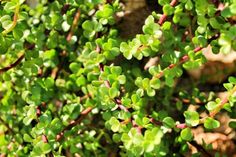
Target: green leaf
x,y
27,138
80,81
214,23
3,45
228,86
155,83
151,92
3,140
186,134
125,49
122,79
211,105
169,81
115,124
233,9
65,26
225,49
169,122
211,123
17,33
127,140
116,138
166,25
10,6
49,82
90,28
152,138
113,92
232,124
46,148
189,5
106,12
27,120
163,2
151,27
148,146
116,70
227,107
149,20
168,9
191,118
136,137
232,80
145,83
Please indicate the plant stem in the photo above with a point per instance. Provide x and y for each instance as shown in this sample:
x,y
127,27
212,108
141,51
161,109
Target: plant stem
x,y
55,71
182,60
15,18
214,112
6,125
164,16
83,114
13,64
223,102
74,24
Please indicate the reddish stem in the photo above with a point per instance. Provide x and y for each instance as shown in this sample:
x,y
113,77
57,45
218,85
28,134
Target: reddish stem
x,y
75,22
44,139
13,65
73,123
164,16
181,126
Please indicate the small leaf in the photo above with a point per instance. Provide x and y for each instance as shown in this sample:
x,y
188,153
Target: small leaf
x,y
233,9
211,105
27,120
65,26
45,147
228,86
211,123
115,124
116,70
191,118
113,92
27,138
186,134
80,81
232,124
151,92
169,122
122,79
168,9
189,5
10,6
155,83
232,80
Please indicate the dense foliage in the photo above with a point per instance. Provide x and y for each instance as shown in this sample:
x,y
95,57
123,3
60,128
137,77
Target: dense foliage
x,y
69,85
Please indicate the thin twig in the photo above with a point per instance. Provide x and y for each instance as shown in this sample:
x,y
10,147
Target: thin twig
x,y
200,148
6,125
214,112
223,102
13,64
15,18
55,71
164,16
74,24
83,114
182,60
